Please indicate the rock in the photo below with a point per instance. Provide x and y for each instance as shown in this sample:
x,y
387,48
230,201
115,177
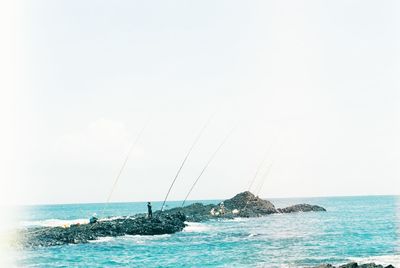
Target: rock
x,y
83,233
244,204
349,265
196,212
300,208
249,204
170,221
355,265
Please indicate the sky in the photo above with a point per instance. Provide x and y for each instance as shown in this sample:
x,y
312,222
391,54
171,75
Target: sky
x,y
311,86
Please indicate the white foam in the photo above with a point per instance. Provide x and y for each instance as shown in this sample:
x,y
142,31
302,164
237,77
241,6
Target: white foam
x,y
53,223
384,260
112,218
143,239
240,219
102,239
195,227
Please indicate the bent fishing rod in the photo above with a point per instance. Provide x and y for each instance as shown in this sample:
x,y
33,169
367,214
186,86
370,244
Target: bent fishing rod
x,y
133,145
207,164
265,177
186,157
260,165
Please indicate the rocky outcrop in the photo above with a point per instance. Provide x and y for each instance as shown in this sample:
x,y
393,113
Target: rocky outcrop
x,y
169,221
83,233
196,212
244,204
249,205
355,265
300,208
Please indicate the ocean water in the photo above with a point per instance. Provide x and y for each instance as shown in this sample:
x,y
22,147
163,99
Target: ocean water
x,y
363,229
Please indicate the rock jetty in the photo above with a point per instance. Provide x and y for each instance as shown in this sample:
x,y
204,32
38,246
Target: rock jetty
x,y
169,221
83,233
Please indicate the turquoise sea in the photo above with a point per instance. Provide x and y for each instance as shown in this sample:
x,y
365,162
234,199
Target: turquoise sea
x,y
353,228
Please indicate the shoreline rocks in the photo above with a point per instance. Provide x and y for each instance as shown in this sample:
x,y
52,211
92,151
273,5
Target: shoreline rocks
x,y
170,221
83,233
355,265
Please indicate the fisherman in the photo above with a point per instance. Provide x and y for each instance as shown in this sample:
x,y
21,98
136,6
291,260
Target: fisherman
x,y
149,210
93,219
212,212
222,208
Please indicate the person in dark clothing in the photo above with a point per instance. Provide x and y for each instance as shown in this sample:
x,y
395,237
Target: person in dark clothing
x,y
149,210
93,219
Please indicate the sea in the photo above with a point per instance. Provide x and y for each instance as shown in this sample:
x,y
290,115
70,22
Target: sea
x,y
363,229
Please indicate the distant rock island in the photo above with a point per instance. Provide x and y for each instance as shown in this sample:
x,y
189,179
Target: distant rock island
x,y
169,221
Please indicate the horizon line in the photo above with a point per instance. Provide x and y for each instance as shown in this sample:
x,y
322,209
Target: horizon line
x,y
207,199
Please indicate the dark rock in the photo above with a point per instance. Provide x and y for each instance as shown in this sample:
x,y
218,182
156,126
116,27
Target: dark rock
x,y
355,265
83,233
244,204
249,205
300,208
169,221
349,265
196,212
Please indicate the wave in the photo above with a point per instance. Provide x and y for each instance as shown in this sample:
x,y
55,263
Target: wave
x,y
61,222
143,239
240,219
102,239
53,223
196,227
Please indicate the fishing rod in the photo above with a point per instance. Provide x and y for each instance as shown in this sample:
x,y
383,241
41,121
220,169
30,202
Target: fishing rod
x,y
207,164
264,177
260,165
133,145
267,152
186,157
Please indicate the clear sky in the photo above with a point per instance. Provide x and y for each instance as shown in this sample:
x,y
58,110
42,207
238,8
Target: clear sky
x,y
316,83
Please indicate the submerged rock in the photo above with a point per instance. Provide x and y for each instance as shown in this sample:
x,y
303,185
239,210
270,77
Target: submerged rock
x,y
300,208
355,265
83,233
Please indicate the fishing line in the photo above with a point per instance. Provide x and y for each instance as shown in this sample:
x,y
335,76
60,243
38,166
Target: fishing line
x,y
207,164
259,167
186,157
133,145
264,177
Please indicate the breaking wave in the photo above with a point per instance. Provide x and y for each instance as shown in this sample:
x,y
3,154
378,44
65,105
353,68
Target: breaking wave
x,y
102,239
53,223
195,227
60,222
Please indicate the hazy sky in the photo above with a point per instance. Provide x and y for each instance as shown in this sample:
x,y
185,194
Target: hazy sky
x,y
314,82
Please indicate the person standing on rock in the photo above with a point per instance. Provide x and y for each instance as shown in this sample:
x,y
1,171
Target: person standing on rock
x,y
222,208
93,219
149,210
